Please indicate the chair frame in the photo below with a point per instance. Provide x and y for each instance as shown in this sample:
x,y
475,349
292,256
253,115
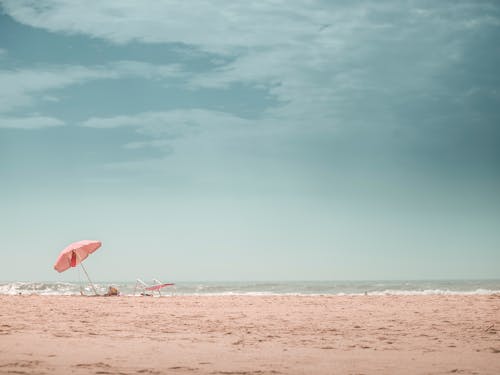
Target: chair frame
x,y
141,285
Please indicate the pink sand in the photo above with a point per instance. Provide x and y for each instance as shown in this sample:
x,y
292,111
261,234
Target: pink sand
x,y
250,335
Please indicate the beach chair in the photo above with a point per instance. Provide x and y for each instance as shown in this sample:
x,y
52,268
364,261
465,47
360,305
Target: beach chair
x,y
156,287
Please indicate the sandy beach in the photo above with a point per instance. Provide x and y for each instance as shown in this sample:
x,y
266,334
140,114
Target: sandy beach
x,y
250,335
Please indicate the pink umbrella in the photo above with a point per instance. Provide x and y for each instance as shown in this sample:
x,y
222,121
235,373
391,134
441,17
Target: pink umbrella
x,y
74,254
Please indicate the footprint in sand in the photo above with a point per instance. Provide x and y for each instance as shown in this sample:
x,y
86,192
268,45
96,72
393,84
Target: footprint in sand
x,y
90,365
24,364
183,368
245,372
21,367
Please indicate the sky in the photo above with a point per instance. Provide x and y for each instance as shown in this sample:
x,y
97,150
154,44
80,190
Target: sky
x,y
251,140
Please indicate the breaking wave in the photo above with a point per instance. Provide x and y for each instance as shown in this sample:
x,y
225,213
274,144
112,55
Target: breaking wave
x,y
442,287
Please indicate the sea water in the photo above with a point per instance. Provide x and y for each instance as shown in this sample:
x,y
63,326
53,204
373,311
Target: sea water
x,y
378,287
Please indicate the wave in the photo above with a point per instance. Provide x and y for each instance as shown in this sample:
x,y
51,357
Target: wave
x,y
354,288
430,292
41,288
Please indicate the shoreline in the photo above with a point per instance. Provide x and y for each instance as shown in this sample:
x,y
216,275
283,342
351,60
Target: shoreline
x,y
279,297
262,288
251,334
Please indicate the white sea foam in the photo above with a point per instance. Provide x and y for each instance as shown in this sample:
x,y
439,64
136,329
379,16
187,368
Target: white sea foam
x,y
428,292
40,288
302,288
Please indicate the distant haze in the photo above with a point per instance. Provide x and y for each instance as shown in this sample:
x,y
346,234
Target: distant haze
x,y
268,140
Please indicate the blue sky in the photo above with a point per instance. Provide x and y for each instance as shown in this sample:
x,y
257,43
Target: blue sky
x,y
264,140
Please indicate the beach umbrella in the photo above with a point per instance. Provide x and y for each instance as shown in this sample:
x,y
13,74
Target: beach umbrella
x,y
74,254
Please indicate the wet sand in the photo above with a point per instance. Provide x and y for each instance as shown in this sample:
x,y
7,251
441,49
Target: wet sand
x,y
250,335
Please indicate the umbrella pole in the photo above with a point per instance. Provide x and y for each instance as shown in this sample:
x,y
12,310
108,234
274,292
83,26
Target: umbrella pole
x,y
91,283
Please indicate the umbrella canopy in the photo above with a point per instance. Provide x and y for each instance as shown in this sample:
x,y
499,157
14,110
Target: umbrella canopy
x,y
75,253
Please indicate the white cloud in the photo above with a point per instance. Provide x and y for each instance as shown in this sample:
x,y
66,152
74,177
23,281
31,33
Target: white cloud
x,y
211,25
191,132
171,124
327,64
50,98
22,87
29,123
156,143
313,56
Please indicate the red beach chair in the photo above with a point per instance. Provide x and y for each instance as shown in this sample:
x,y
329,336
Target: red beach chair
x,y
141,285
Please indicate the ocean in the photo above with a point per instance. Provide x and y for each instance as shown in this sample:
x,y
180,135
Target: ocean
x,y
416,287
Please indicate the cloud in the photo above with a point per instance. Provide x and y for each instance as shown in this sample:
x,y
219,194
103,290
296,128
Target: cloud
x,y
185,134
356,55
19,87
157,143
170,124
29,123
313,56
367,69
211,25
23,87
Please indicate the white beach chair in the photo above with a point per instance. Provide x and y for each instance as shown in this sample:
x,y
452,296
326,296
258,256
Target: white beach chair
x,y
156,287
